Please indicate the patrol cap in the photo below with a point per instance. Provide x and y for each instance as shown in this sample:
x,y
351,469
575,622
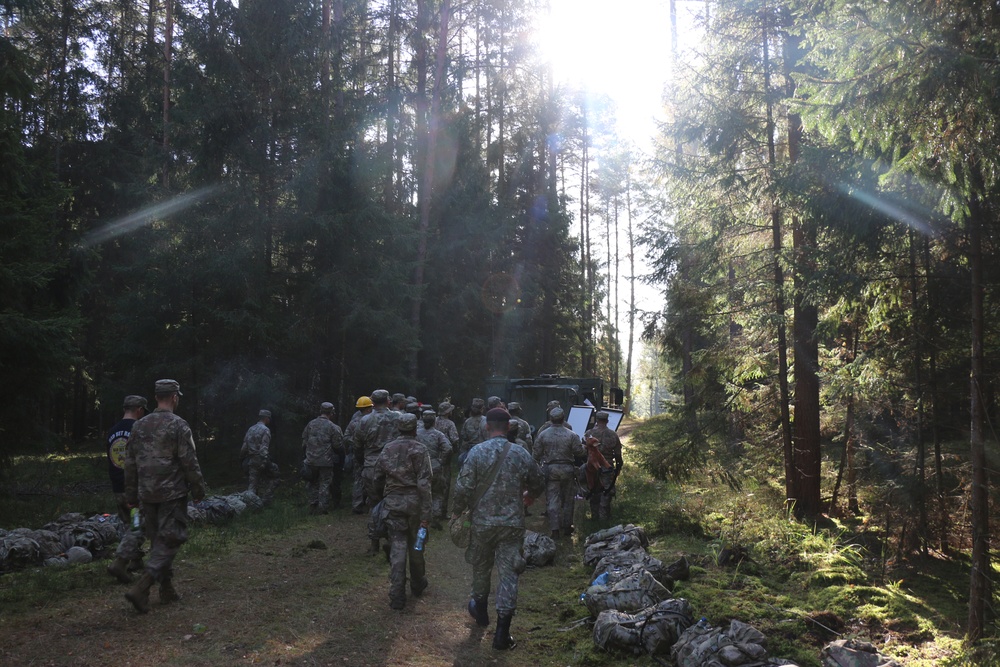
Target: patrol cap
x,y
514,407
428,415
412,399
413,407
380,397
131,402
363,402
557,414
445,408
397,397
478,403
493,402
168,387
601,416
553,404
407,423
498,415
326,407
264,413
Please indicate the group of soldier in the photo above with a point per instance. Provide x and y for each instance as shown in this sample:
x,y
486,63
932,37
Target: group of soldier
x,y
400,456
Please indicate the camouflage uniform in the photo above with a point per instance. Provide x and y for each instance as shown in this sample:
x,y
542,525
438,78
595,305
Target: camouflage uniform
x,y
610,446
498,519
523,432
357,488
256,449
130,547
323,443
375,430
439,449
402,477
161,467
473,432
447,426
556,449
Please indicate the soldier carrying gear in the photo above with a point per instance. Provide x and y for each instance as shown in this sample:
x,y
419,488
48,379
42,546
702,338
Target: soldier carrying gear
x,y
602,485
323,448
255,455
473,428
446,426
557,449
374,431
364,406
439,449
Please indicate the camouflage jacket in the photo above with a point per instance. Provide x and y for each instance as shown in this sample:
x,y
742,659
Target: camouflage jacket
x,y
374,430
256,444
609,443
473,431
501,504
523,432
323,443
557,445
447,427
438,447
161,463
403,477
350,442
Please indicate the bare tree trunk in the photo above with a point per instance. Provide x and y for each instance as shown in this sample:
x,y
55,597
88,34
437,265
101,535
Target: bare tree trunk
x,y
168,38
631,300
921,457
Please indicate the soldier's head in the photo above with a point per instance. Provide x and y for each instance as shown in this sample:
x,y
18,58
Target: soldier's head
x,y
134,407
493,402
557,415
398,402
168,393
264,416
497,422
429,417
326,409
364,404
550,405
512,431
602,418
477,406
380,398
445,409
414,408
407,424
514,408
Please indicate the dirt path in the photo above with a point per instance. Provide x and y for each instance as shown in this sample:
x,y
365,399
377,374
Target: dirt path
x,y
274,601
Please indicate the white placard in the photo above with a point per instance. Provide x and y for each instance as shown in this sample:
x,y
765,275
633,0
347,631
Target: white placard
x,y
614,418
579,417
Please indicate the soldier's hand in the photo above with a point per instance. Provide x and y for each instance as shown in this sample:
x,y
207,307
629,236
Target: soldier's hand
x,y
425,524
198,493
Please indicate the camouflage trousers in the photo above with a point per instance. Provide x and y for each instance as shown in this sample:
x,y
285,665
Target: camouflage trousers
x,y
130,546
445,491
318,491
439,484
336,480
358,498
600,496
500,546
402,536
560,489
368,483
261,482
166,528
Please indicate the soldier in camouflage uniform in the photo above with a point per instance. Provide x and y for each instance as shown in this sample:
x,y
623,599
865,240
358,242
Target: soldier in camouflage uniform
x,y
374,431
497,521
439,450
447,426
473,428
358,500
323,445
610,446
256,451
403,482
557,449
129,552
523,427
161,468
551,405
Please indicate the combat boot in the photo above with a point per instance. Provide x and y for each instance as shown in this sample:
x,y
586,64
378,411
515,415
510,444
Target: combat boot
x,y
168,593
479,612
502,640
138,595
119,570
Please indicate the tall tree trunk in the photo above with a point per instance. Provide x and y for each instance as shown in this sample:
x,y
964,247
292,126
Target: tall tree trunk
x,y
168,39
631,299
918,390
932,381
392,107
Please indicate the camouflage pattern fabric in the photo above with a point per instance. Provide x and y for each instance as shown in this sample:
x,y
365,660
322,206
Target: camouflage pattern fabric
x,y
538,549
374,431
854,653
557,448
609,444
608,534
653,630
323,443
622,542
631,593
161,463
256,451
702,645
501,504
447,427
351,444
499,546
619,559
402,528
523,431
439,450
166,530
130,546
318,489
473,432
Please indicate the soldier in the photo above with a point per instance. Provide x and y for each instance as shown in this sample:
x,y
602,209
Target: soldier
x,y
557,449
548,413
447,426
403,480
610,446
439,449
374,431
161,468
473,428
129,552
494,402
496,473
256,452
358,501
398,403
523,427
323,445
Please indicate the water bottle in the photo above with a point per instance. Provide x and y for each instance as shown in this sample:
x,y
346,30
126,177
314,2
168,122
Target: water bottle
x,y
421,537
135,518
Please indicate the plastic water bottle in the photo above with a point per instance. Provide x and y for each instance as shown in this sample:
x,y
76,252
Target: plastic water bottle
x,y
421,538
135,518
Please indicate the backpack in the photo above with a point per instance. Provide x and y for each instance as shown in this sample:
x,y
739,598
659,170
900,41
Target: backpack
x,y
634,592
623,559
538,549
853,653
613,532
702,645
652,630
621,542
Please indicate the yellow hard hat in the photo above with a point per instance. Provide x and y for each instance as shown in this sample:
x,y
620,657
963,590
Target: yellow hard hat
x,y
363,402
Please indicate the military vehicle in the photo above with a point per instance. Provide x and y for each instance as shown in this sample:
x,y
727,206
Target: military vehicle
x,y
534,393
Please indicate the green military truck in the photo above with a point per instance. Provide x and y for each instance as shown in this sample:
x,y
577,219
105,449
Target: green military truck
x,y
534,393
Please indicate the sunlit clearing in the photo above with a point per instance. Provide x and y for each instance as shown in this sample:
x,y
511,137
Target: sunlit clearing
x,y
145,216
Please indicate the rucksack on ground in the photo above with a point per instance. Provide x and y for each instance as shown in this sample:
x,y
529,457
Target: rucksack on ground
x,y
632,593
652,630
